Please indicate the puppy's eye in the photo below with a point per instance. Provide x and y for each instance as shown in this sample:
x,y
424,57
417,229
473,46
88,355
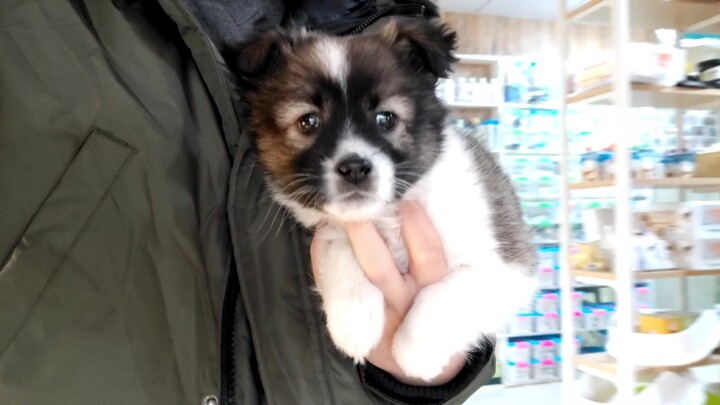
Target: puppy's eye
x,y
309,123
385,120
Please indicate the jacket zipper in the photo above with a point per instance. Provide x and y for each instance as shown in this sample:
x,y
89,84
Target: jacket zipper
x,y
399,9
227,339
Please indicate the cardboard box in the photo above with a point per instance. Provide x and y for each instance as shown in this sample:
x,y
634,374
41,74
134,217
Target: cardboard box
x,y
708,164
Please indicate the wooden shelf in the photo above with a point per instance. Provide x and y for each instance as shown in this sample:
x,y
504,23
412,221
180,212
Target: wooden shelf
x,y
587,10
527,106
678,182
609,279
598,364
709,25
472,59
645,95
685,15
470,105
600,94
605,366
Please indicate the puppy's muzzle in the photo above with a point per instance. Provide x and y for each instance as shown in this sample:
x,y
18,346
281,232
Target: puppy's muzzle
x,y
354,169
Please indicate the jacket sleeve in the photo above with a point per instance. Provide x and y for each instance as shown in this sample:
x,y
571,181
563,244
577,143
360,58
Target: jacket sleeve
x,y
479,368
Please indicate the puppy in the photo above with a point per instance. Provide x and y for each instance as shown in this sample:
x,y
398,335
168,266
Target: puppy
x,y
346,128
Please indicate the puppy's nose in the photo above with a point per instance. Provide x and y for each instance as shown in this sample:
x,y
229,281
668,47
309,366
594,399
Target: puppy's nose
x,y
354,169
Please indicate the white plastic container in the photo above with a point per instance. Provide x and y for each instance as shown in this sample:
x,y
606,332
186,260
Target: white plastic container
x,y
519,352
579,318
483,95
546,277
677,349
471,92
496,91
450,90
643,298
595,318
545,370
577,300
548,303
698,217
548,322
522,323
462,91
700,254
545,350
519,372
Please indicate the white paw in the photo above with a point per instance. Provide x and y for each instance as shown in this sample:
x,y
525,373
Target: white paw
x,y
356,321
436,328
419,357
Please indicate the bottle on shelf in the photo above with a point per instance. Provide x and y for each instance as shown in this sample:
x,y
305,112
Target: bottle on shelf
x,y
471,92
483,91
449,90
462,89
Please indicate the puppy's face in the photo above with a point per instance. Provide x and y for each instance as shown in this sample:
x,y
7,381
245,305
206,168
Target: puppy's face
x,y
345,125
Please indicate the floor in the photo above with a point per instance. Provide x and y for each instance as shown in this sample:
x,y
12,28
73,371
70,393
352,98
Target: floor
x,y
530,394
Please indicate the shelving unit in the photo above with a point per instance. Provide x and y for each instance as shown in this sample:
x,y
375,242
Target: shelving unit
x,y
645,95
620,96
609,279
698,182
605,366
684,15
495,67
471,106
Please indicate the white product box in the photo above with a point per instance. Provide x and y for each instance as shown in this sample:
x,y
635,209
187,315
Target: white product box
x,y
577,300
548,322
522,323
544,350
546,277
545,370
698,217
519,352
547,303
699,254
517,373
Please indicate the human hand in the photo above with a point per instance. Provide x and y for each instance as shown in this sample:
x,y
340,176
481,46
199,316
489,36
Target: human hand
x,y
427,266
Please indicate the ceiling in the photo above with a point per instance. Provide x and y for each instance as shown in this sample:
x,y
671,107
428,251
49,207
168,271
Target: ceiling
x,y
535,9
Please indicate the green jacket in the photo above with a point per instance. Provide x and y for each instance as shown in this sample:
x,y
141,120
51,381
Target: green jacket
x,y
141,261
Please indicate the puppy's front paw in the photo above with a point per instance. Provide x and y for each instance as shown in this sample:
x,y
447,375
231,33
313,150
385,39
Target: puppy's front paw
x,y
356,321
435,329
420,346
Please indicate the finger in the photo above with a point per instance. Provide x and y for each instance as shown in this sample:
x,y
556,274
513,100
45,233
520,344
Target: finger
x,y
428,264
378,264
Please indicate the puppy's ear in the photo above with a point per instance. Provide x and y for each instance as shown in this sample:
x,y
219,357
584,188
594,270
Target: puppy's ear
x,y
425,45
264,54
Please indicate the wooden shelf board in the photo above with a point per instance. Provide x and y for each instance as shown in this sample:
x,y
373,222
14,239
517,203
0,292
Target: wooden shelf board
x,y
586,9
596,364
473,59
470,105
609,278
591,184
602,364
694,182
646,95
527,106
685,15
681,182
708,26
597,94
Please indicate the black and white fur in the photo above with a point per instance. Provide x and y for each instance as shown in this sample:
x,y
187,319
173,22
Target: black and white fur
x,y
346,83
